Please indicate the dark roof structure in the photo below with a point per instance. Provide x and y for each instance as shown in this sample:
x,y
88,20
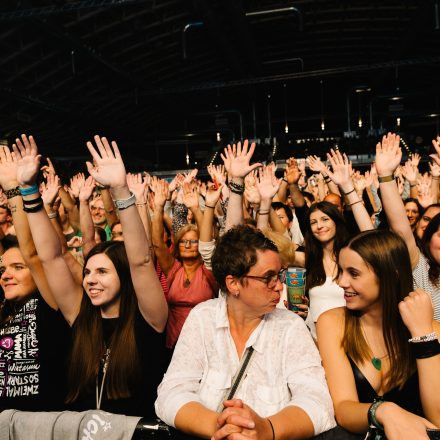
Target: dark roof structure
x,y
171,78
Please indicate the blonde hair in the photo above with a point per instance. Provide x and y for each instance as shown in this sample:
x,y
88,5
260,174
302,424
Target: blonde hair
x,y
285,247
178,236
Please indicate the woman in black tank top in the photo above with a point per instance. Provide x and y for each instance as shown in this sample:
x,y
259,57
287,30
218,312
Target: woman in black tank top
x,y
365,348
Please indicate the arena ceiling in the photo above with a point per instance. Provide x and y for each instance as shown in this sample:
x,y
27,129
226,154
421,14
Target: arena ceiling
x,y
176,77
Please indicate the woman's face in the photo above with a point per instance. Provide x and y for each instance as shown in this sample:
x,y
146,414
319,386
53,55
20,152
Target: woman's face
x,y
188,249
117,233
322,226
427,216
102,285
254,294
434,246
412,212
16,279
360,283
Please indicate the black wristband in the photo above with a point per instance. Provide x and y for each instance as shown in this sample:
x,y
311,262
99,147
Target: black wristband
x,y
32,201
35,208
423,350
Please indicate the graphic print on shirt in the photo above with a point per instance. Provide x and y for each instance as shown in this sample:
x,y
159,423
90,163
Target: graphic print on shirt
x,y
19,354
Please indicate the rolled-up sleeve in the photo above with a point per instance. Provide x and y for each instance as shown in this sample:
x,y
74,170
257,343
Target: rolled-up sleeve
x,y
306,380
206,249
182,380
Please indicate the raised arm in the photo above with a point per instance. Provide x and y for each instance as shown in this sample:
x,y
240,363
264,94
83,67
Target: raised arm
x,y
341,177
293,175
109,171
85,216
166,260
236,160
268,186
191,201
211,199
388,156
66,292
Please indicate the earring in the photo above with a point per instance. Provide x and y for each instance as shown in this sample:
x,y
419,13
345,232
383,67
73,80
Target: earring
x,y
236,294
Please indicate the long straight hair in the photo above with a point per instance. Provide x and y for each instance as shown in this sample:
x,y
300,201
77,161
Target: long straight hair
x,y
314,252
88,345
386,254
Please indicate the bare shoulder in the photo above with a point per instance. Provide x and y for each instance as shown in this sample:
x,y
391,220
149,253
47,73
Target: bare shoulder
x,y
331,322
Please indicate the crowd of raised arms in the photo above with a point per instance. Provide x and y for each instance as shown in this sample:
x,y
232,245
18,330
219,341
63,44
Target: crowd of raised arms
x,y
146,297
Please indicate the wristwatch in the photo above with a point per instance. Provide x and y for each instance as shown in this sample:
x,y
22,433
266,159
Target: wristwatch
x,y
125,203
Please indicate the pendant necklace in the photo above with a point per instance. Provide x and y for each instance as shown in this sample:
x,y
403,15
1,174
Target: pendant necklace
x,y
376,361
187,282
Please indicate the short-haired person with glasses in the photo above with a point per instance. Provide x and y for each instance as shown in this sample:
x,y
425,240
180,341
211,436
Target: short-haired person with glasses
x,y
189,278
282,392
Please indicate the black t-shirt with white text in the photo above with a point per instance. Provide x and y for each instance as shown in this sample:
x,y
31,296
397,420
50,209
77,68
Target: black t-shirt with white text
x,y
33,349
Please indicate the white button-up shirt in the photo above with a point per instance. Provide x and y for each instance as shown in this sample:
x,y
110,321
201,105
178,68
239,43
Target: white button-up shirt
x,y
285,368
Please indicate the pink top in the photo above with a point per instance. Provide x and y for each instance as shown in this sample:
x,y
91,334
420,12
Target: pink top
x,y
182,299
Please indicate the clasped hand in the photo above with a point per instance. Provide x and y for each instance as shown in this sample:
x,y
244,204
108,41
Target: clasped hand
x,y
238,421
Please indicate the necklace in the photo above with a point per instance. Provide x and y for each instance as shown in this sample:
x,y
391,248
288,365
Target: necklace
x,y
376,361
104,363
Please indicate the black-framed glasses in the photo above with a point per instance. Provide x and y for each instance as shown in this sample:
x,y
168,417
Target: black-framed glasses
x,y
188,242
270,280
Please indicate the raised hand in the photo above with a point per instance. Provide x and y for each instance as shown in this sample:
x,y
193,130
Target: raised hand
x,y
425,195
50,189
267,183
316,165
409,171
388,155
190,196
435,169
161,193
86,189
213,194
48,169
341,170
292,172
8,169
75,184
359,182
417,313
108,168
189,177
137,185
28,160
237,158
415,158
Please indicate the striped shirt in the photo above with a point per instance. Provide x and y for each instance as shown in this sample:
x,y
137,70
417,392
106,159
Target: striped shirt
x,y
421,280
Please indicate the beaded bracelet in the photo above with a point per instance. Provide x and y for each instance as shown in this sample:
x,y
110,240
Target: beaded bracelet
x,y
372,421
237,186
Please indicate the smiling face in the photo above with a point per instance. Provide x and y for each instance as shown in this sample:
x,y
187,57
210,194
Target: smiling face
x,y
322,226
412,212
98,212
360,283
427,216
16,279
102,285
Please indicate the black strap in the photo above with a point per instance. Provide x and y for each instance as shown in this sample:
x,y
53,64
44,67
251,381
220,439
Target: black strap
x,y
240,373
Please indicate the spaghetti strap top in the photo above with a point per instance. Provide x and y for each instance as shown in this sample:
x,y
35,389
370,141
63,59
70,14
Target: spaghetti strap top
x,y
407,397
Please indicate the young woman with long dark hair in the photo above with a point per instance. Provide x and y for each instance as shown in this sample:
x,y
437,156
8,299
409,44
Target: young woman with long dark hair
x,y
380,352
326,233
119,311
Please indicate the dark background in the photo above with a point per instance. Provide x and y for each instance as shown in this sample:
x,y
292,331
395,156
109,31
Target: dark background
x,y
164,77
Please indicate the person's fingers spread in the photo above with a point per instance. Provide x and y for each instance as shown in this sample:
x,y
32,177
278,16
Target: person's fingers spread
x,y
100,146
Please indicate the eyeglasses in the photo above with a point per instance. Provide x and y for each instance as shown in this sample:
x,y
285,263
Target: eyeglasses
x,y
188,242
270,280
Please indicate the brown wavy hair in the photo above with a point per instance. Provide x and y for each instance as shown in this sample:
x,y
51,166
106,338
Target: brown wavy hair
x,y
88,346
386,254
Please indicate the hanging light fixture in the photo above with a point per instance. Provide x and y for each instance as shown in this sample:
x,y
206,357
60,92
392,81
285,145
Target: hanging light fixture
x,y
218,137
359,111
398,122
286,125
322,106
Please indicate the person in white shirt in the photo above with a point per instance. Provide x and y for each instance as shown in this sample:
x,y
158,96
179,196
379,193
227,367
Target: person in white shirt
x,y
283,393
